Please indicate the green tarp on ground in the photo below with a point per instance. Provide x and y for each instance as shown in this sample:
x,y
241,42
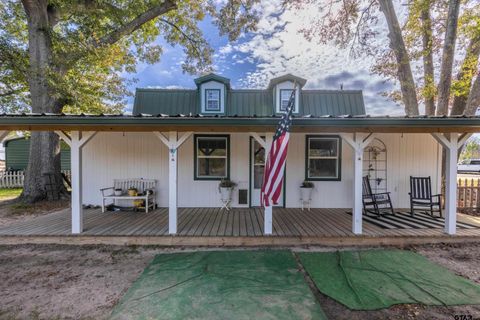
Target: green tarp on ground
x,y
220,285
376,279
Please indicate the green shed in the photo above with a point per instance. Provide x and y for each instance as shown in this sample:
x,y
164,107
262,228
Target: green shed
x,y
17,151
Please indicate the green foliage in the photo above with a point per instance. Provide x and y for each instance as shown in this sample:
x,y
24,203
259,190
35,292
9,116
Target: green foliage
x,y
471,149
95,43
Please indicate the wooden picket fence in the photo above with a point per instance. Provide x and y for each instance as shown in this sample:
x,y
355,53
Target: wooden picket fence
x,y
468,195
14,179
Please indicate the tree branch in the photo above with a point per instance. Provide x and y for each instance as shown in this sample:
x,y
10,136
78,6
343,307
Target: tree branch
x,y
466,74
404,71
357,29
186,36
473,101
10,92
447,58
136,23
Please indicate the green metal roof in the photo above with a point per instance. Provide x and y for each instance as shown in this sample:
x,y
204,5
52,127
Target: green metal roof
x,y
214,77
121,123
164,101
249,102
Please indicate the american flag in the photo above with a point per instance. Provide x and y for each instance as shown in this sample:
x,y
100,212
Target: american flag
x,y
277,157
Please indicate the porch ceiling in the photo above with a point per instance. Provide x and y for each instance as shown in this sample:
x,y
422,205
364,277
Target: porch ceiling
x,y
145,123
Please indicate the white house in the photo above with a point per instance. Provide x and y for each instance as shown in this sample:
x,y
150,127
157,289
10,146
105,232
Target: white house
x,y
188,140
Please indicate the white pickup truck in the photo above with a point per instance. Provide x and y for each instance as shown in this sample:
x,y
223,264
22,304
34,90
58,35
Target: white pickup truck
x,y
469,166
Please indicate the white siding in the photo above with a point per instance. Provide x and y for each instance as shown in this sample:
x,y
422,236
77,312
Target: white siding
x,y
110,156
141,155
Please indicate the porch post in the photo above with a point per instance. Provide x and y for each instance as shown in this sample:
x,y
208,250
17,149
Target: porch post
x,y
452,143
357,190
358,143
76,167
76,140
451,186
268,209
172,184
173,143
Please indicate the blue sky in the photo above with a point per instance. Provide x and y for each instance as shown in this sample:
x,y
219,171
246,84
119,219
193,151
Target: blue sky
x,y
275,49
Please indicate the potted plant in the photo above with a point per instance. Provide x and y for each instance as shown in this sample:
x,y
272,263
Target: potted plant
x,y
132,191
306,190
225,188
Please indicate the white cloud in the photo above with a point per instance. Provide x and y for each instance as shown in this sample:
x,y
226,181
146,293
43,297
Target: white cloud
x,y
278,48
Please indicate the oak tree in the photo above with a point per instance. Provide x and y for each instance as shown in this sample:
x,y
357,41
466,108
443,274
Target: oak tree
x,y
69,56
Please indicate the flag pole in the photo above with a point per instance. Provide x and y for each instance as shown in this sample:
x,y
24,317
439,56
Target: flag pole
x,y
268,205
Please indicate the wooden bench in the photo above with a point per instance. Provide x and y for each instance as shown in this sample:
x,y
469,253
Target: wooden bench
x,y
146,191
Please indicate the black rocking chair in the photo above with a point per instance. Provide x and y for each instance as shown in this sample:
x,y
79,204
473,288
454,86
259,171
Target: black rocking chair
x,y
421,197
377,203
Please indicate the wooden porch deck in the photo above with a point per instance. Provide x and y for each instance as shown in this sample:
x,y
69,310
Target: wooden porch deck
x,y
212,226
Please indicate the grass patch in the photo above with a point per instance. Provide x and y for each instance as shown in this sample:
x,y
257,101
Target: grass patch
x,y
10,193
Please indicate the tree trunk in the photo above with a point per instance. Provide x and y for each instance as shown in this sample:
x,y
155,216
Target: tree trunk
x,y
466,74
445,80
397,44
44,146
428,71
473,102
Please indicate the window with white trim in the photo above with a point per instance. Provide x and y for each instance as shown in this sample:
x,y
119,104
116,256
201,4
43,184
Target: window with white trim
x,y
211,157
212,100
323,158
285,95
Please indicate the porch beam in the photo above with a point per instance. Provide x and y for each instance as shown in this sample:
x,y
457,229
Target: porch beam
x,y
358,143
3,134
162,138
87,136
259,139
65,137
441,139
463,139
268,219
183,138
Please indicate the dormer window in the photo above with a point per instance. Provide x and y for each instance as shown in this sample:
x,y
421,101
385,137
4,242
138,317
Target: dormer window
x,y
282,88
285,95
212,100
213,94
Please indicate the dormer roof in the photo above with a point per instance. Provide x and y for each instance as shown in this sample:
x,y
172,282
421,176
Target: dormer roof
x,y
212,77
287,77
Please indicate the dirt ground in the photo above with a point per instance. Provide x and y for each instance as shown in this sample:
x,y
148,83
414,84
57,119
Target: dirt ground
x,y
12,211
85,282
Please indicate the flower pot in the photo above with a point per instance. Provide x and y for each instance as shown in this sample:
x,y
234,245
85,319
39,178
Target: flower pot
x,y
306,193
132,192
226,193
118,192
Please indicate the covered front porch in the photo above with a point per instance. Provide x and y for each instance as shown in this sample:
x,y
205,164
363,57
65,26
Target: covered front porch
x,y
174,131
240,226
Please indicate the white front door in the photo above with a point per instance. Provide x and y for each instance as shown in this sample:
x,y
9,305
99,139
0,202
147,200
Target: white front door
x,y
257,163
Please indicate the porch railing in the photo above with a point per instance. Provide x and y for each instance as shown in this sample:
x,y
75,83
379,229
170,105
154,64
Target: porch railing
x,y
14,179
468,195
